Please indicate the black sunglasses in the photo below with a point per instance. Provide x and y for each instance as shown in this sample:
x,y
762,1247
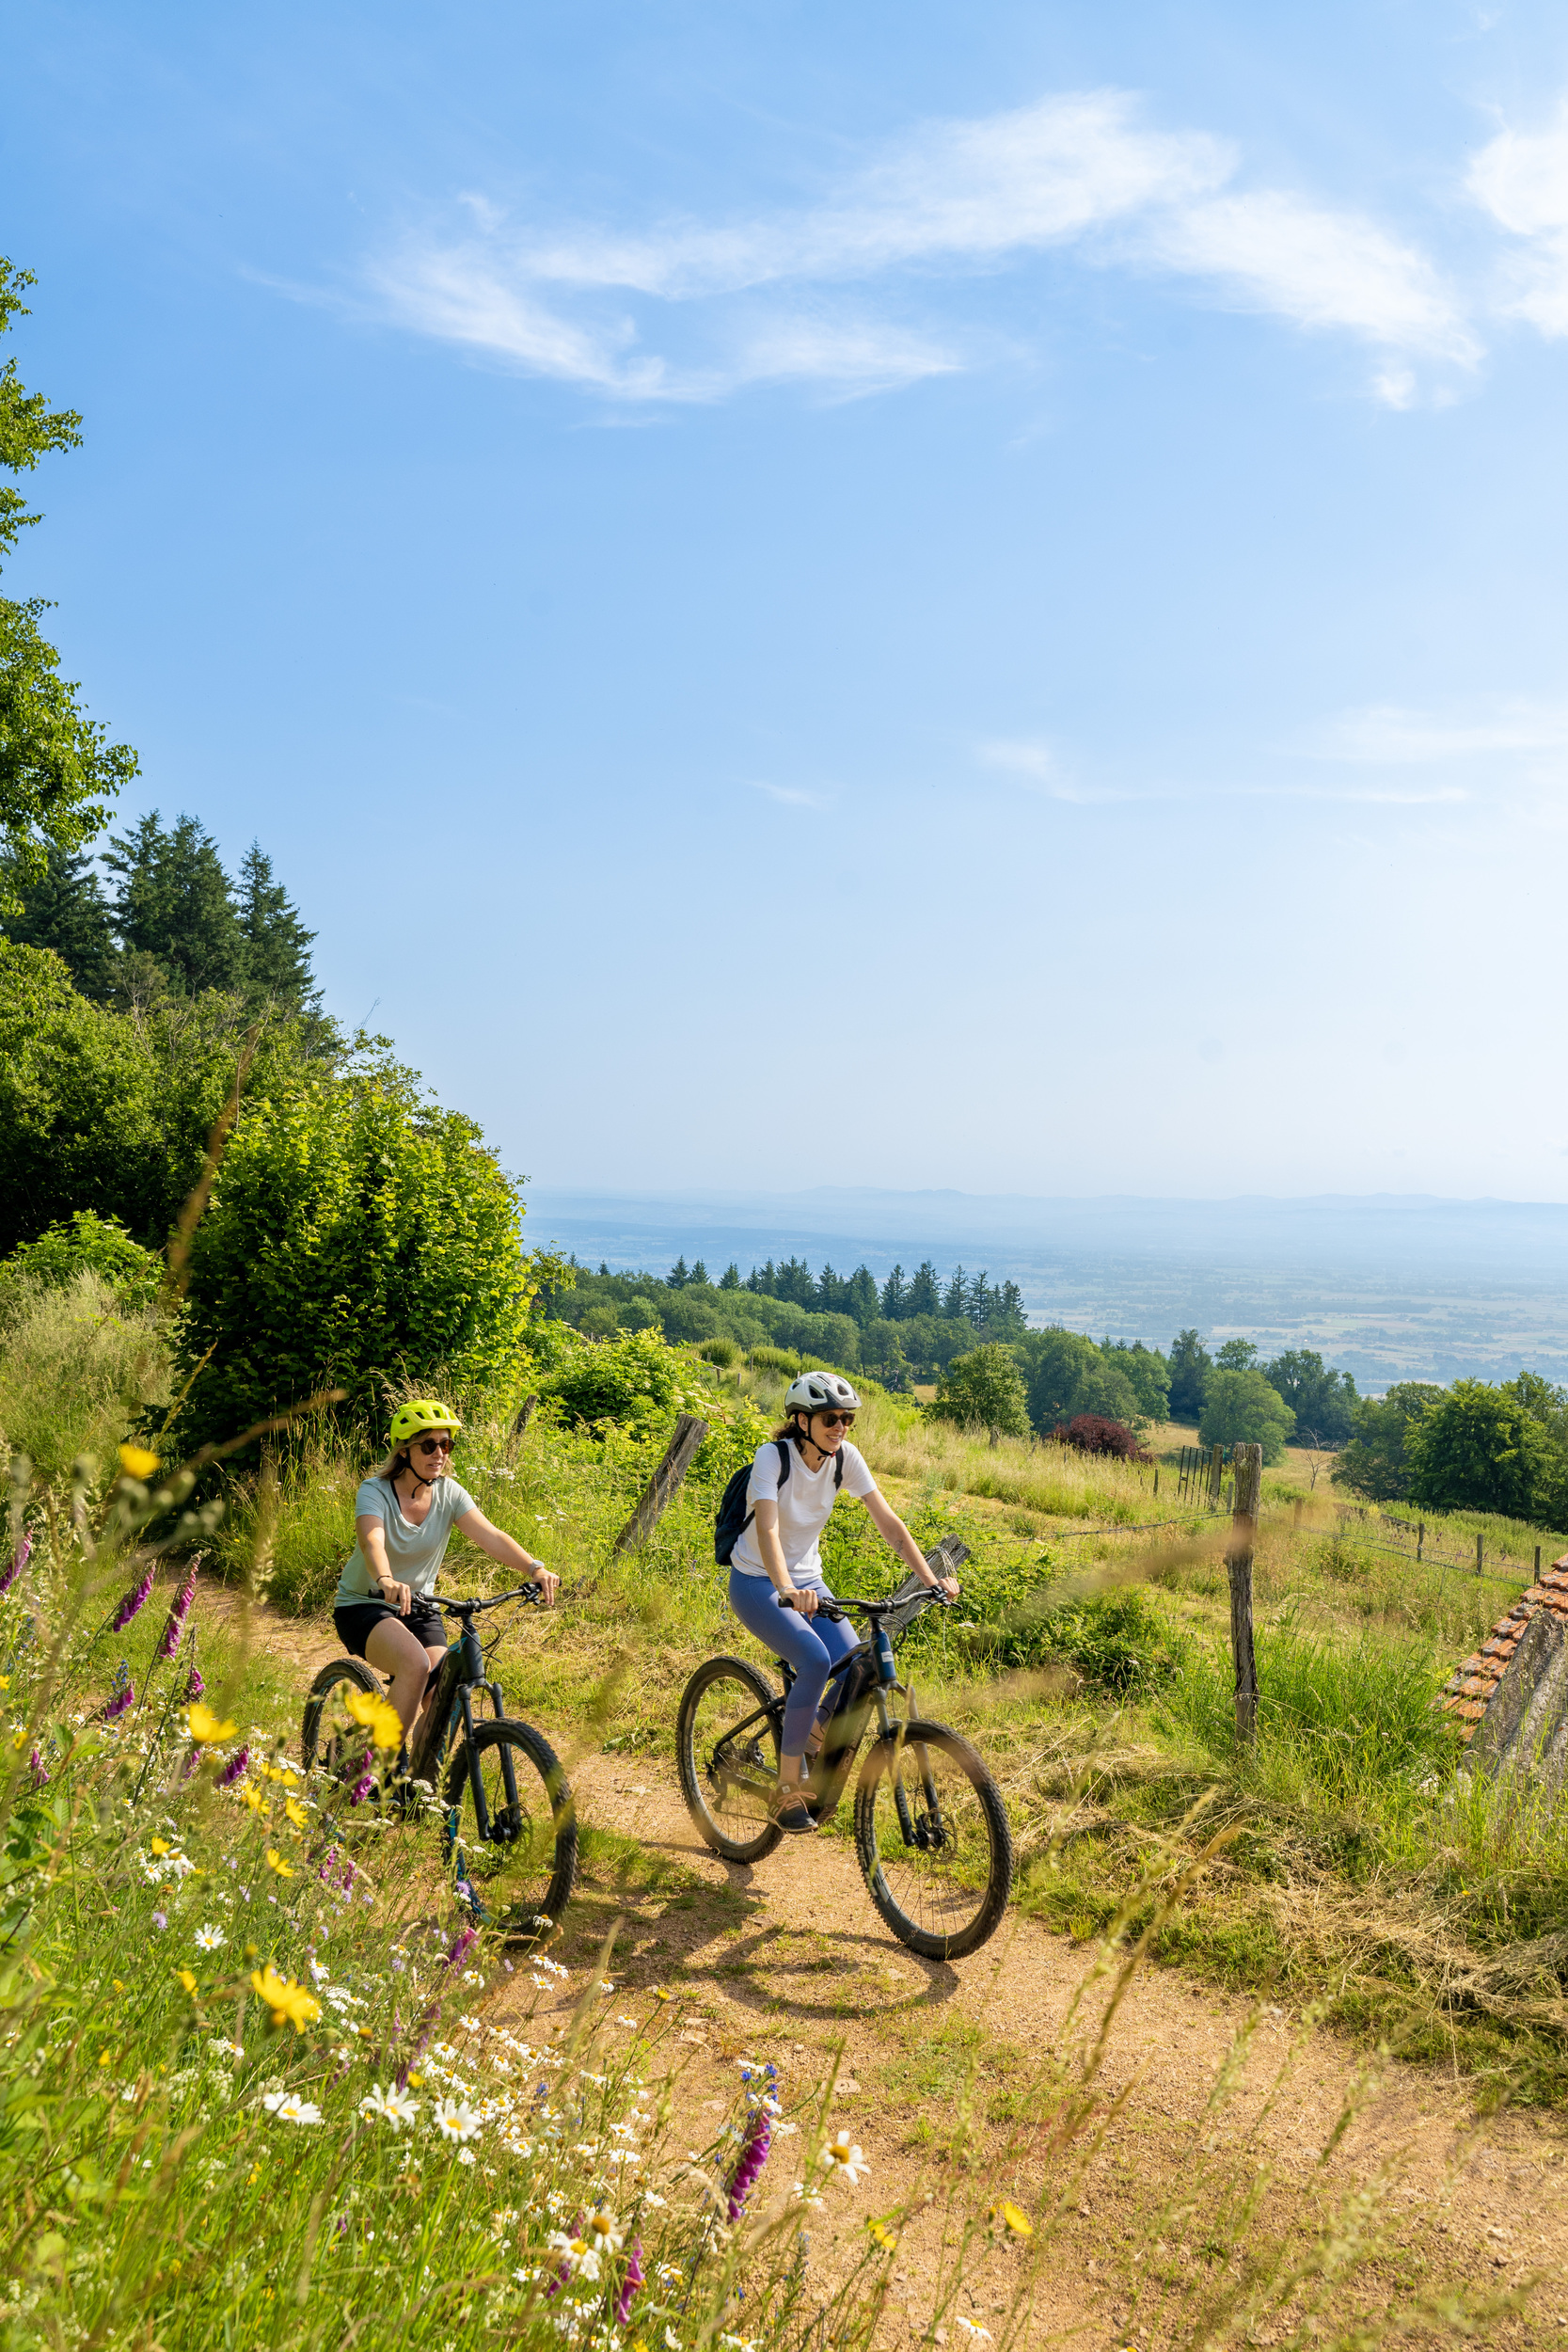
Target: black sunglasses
x,y
436,1445
837,1420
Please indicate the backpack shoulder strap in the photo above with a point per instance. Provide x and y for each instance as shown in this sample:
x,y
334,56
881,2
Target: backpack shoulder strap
x,y
838,1469
783,1444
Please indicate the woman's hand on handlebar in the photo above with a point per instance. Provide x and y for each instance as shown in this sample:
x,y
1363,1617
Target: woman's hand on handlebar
x,y
548,1582
804,1601
947,1586
396,1595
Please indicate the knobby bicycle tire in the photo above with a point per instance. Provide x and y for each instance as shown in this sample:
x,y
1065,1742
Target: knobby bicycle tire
x,y
715,1819
940,1901
523,1875
351,1673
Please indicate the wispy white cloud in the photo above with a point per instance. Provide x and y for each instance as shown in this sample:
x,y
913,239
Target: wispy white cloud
x,y
791,795
1386,735
1039,766
1521,179
1081,170
1320,268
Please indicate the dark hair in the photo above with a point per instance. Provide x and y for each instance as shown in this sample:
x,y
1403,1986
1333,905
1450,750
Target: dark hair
x,y
791,1428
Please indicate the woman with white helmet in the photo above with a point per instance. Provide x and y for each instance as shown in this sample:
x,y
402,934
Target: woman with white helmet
x,y
794,1482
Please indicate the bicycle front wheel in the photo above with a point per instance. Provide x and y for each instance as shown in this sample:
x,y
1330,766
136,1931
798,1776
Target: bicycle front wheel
x,y
933,1842
512,1828
727,1755
326,1735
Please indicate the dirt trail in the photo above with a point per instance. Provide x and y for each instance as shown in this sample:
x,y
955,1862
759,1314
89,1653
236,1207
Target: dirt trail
x,y
787,1960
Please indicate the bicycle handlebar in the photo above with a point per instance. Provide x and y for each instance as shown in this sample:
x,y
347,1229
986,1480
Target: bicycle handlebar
x,y
530,1593
833,1610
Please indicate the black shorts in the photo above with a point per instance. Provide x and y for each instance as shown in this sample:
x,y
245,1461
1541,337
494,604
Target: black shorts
x,y
357,1620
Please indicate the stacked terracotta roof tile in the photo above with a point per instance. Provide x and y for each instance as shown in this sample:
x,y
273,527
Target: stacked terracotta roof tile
x,y
1468,1689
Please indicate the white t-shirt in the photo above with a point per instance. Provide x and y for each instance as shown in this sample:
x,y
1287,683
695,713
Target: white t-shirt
x,y
804,1500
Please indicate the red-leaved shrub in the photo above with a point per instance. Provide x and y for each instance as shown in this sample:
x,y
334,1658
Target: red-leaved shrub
x,y
1091,1433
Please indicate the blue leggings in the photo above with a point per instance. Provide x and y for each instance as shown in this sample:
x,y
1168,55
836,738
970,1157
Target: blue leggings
x,y
813,1645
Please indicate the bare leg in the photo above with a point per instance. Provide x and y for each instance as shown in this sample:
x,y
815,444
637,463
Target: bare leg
x,y
396,1653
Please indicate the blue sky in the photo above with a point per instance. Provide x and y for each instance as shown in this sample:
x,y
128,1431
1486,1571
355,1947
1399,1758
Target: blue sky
x,y
912,595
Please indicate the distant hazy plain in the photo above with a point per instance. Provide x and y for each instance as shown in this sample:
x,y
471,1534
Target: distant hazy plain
x,y
1392,1287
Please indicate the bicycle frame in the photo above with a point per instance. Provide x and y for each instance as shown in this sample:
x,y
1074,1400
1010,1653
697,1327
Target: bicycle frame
x,y
849,1721
459,1675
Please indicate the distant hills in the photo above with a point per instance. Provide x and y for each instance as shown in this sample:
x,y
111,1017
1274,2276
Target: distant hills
x,y
1391,1286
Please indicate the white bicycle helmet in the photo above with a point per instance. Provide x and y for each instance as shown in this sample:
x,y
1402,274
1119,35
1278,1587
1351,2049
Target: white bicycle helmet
x,y
819,1392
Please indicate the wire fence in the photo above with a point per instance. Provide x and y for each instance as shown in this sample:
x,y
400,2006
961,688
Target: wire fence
x,y
1213,1497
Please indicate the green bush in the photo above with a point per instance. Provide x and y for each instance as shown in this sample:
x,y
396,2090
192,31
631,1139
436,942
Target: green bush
x,y
635,1380
1476,1448
357,1237
1241,1409
86,1240
983,1390
719,1351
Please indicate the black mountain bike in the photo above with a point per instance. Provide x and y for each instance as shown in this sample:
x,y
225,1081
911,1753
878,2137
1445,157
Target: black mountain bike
x,y
508,1823
931,1831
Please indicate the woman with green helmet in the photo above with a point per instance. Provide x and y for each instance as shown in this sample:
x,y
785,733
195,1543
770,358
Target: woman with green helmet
x,y
404,1517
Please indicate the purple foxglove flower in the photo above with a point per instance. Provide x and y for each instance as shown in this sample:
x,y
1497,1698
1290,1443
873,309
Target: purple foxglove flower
x,y
630,2284
234,1769
461,1949
122,1695
194,1686
753,2156
362,1787
39,1769
20,1558
174,1624
131,1604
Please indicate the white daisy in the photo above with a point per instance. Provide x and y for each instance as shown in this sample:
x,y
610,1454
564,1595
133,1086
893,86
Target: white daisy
x,y
394,2106
455,2119
289,2107
208,1939
842,2155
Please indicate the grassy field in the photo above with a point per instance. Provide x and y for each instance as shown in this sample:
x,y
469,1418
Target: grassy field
x,y
1356,1875
1090,1658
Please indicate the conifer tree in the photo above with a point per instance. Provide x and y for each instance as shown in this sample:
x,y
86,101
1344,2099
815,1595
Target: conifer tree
x,y
173,903
276,944
61,905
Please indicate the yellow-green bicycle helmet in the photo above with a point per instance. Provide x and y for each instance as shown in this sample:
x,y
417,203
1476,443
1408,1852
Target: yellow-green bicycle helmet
x,y
421,1412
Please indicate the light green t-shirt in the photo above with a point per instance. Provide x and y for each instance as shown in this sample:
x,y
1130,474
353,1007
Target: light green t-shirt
x,y
414,1555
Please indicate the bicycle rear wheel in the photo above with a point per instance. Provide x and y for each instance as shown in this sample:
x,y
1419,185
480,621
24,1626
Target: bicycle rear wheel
x,y
326,1735
933,1842
727,1755
515,1848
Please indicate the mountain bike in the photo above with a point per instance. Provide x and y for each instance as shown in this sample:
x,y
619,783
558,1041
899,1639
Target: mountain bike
x,y
508,1824
931,1833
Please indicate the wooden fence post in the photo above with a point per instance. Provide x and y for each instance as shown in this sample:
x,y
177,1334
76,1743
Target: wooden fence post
x,y
1420,1538
1538,1564
1243,1529
660,1492
1479,1541
525,1414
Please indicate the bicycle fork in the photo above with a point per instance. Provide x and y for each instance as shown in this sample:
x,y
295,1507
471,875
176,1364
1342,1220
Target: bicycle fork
x,y
934,1834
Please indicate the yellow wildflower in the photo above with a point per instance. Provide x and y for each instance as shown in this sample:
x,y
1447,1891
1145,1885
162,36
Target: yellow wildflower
x,y
254,1798
205,1727
1014,2217
161,1844
289,2003
186,1979
137,1462
5,1682
884,2238
275,1862
379,1718
103,2058
296,1812
287,1778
